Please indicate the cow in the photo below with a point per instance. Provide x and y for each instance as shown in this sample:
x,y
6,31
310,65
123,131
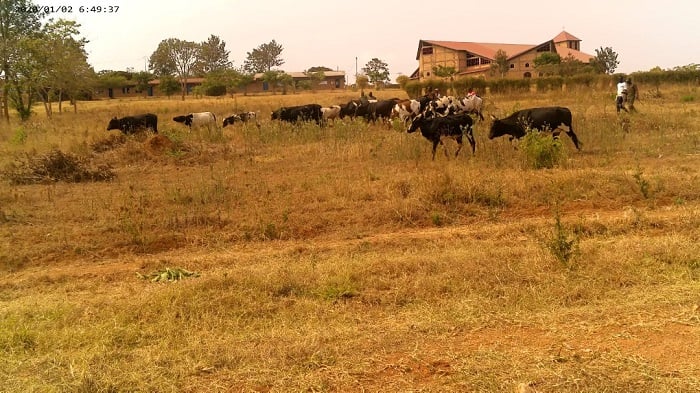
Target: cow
x,y
131,124
380,109
293,114
517,124
349,109
470,104
243,117
406,110
201,119
452,126
330,113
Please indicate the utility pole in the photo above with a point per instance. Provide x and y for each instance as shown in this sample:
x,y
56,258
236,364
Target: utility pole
x,y
355,70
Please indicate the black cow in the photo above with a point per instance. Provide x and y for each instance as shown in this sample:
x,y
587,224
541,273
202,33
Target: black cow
x,y
293,114
452,126
552,118
242,117
131,124
379,109
349,109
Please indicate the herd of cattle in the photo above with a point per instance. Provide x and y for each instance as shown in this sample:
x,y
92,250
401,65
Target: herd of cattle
x,y
437,118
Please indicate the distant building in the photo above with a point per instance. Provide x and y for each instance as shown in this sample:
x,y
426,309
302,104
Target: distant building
x,y
475,58
333,80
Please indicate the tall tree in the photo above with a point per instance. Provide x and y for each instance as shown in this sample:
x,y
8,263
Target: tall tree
x,y
174,56
605,60
15,27
61,61
212,56
500,65
263,58
377,71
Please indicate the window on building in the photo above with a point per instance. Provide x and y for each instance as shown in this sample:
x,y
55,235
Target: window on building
x,y
427,50
544,48
474,61
337,83
527,65
512,65
427,73
527,75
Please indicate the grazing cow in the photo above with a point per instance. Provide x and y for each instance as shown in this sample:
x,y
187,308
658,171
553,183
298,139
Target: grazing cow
x,y
552,118
201,119
330,113
293,114
452,126
380,109
243,117
131,124
405,110
470,104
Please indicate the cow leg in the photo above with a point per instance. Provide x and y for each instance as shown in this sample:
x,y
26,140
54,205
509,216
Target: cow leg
x,y
573,137
459,145
472,142
435,144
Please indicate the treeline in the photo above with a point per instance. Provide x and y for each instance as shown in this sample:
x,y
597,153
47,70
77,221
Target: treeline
x,y
460,86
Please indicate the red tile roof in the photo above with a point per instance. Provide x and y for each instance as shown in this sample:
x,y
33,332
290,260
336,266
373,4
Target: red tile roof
x,y
564,36
488,50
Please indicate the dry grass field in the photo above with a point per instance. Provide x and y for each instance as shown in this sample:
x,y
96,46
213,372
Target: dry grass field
x,y
342,259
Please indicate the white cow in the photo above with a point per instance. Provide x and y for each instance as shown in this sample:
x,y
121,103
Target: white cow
x,y
471,104
201,119
330,113
405,110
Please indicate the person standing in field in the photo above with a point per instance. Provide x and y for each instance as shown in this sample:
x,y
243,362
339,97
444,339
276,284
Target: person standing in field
x,y
631,95
621,95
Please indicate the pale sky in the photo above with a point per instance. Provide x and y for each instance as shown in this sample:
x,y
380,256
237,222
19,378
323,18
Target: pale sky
x,y
644,33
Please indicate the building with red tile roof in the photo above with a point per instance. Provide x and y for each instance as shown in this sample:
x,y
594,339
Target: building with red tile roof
x,y
475,58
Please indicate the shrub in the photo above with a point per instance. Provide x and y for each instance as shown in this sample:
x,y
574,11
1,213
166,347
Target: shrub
x,y
562,245
541,150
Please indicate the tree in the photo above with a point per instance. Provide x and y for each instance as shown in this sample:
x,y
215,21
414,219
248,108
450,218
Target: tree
x,y
212,56
62,64
319,68
273,79
174,56
362,81
315,77
570,66
142,78
402,80
263,58
169,85
377,71
605,60
15,28
500,65
548,63
442,71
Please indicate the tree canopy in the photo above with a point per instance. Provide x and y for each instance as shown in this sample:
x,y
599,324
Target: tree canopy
x,y
605,60
175,56
212,56
263,58
377,71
